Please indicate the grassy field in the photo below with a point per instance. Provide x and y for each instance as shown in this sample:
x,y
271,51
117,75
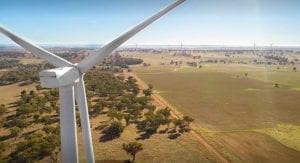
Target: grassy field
x,y
286,134
31,60
217,98
9,93
240,113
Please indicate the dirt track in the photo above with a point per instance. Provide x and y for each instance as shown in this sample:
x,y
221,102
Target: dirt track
x,y
161,102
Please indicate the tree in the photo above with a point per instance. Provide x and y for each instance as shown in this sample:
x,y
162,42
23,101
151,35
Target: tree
x,y
147,92
3,147
3,109
98,108
177,122
150,86
15,131
166,112
127,119
115,129
36,117
49,129
151,123
188,120
113,114
132,149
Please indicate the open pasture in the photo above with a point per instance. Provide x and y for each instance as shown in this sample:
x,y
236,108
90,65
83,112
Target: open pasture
x,y
10,93
237,106
217,99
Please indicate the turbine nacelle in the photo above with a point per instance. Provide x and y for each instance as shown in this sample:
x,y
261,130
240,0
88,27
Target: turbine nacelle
x,y
59,77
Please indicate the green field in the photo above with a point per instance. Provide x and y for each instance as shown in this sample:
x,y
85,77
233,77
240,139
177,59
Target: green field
x,y
238,112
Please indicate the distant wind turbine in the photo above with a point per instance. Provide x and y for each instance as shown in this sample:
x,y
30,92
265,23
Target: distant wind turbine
x,y
254,48
68,78
272,48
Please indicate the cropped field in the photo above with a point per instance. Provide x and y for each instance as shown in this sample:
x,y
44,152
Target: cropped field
x,y
239,113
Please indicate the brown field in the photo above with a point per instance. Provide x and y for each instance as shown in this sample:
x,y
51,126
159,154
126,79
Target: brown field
x,y
10,93
31,60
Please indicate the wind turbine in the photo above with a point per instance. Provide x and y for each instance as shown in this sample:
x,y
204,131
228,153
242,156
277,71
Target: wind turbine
x,y
254,48
68,78
272,48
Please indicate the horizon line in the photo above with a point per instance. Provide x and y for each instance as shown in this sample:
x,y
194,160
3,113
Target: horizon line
x,y
162,45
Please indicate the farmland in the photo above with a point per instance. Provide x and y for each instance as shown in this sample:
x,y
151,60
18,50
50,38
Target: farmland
x,y
245,107
249,112
185,148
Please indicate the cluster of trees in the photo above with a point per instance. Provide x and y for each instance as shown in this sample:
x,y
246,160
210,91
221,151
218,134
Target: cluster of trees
x,y
193,64
38,146
119,61
279,59
104,84
8,63
119,99
146,64
11,54
33,108
176,63
22,72
211,61
183,54
197,57
67,55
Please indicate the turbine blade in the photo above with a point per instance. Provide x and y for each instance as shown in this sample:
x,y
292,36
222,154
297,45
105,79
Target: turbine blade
x,y
50,57
84,118
100,54
68,130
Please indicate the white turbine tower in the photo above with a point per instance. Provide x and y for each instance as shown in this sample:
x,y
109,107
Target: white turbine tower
x,y
68,78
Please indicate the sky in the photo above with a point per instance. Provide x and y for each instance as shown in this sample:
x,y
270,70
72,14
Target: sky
x,y
196,22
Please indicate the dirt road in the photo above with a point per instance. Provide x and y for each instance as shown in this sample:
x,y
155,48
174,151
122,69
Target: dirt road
x,y
159,101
